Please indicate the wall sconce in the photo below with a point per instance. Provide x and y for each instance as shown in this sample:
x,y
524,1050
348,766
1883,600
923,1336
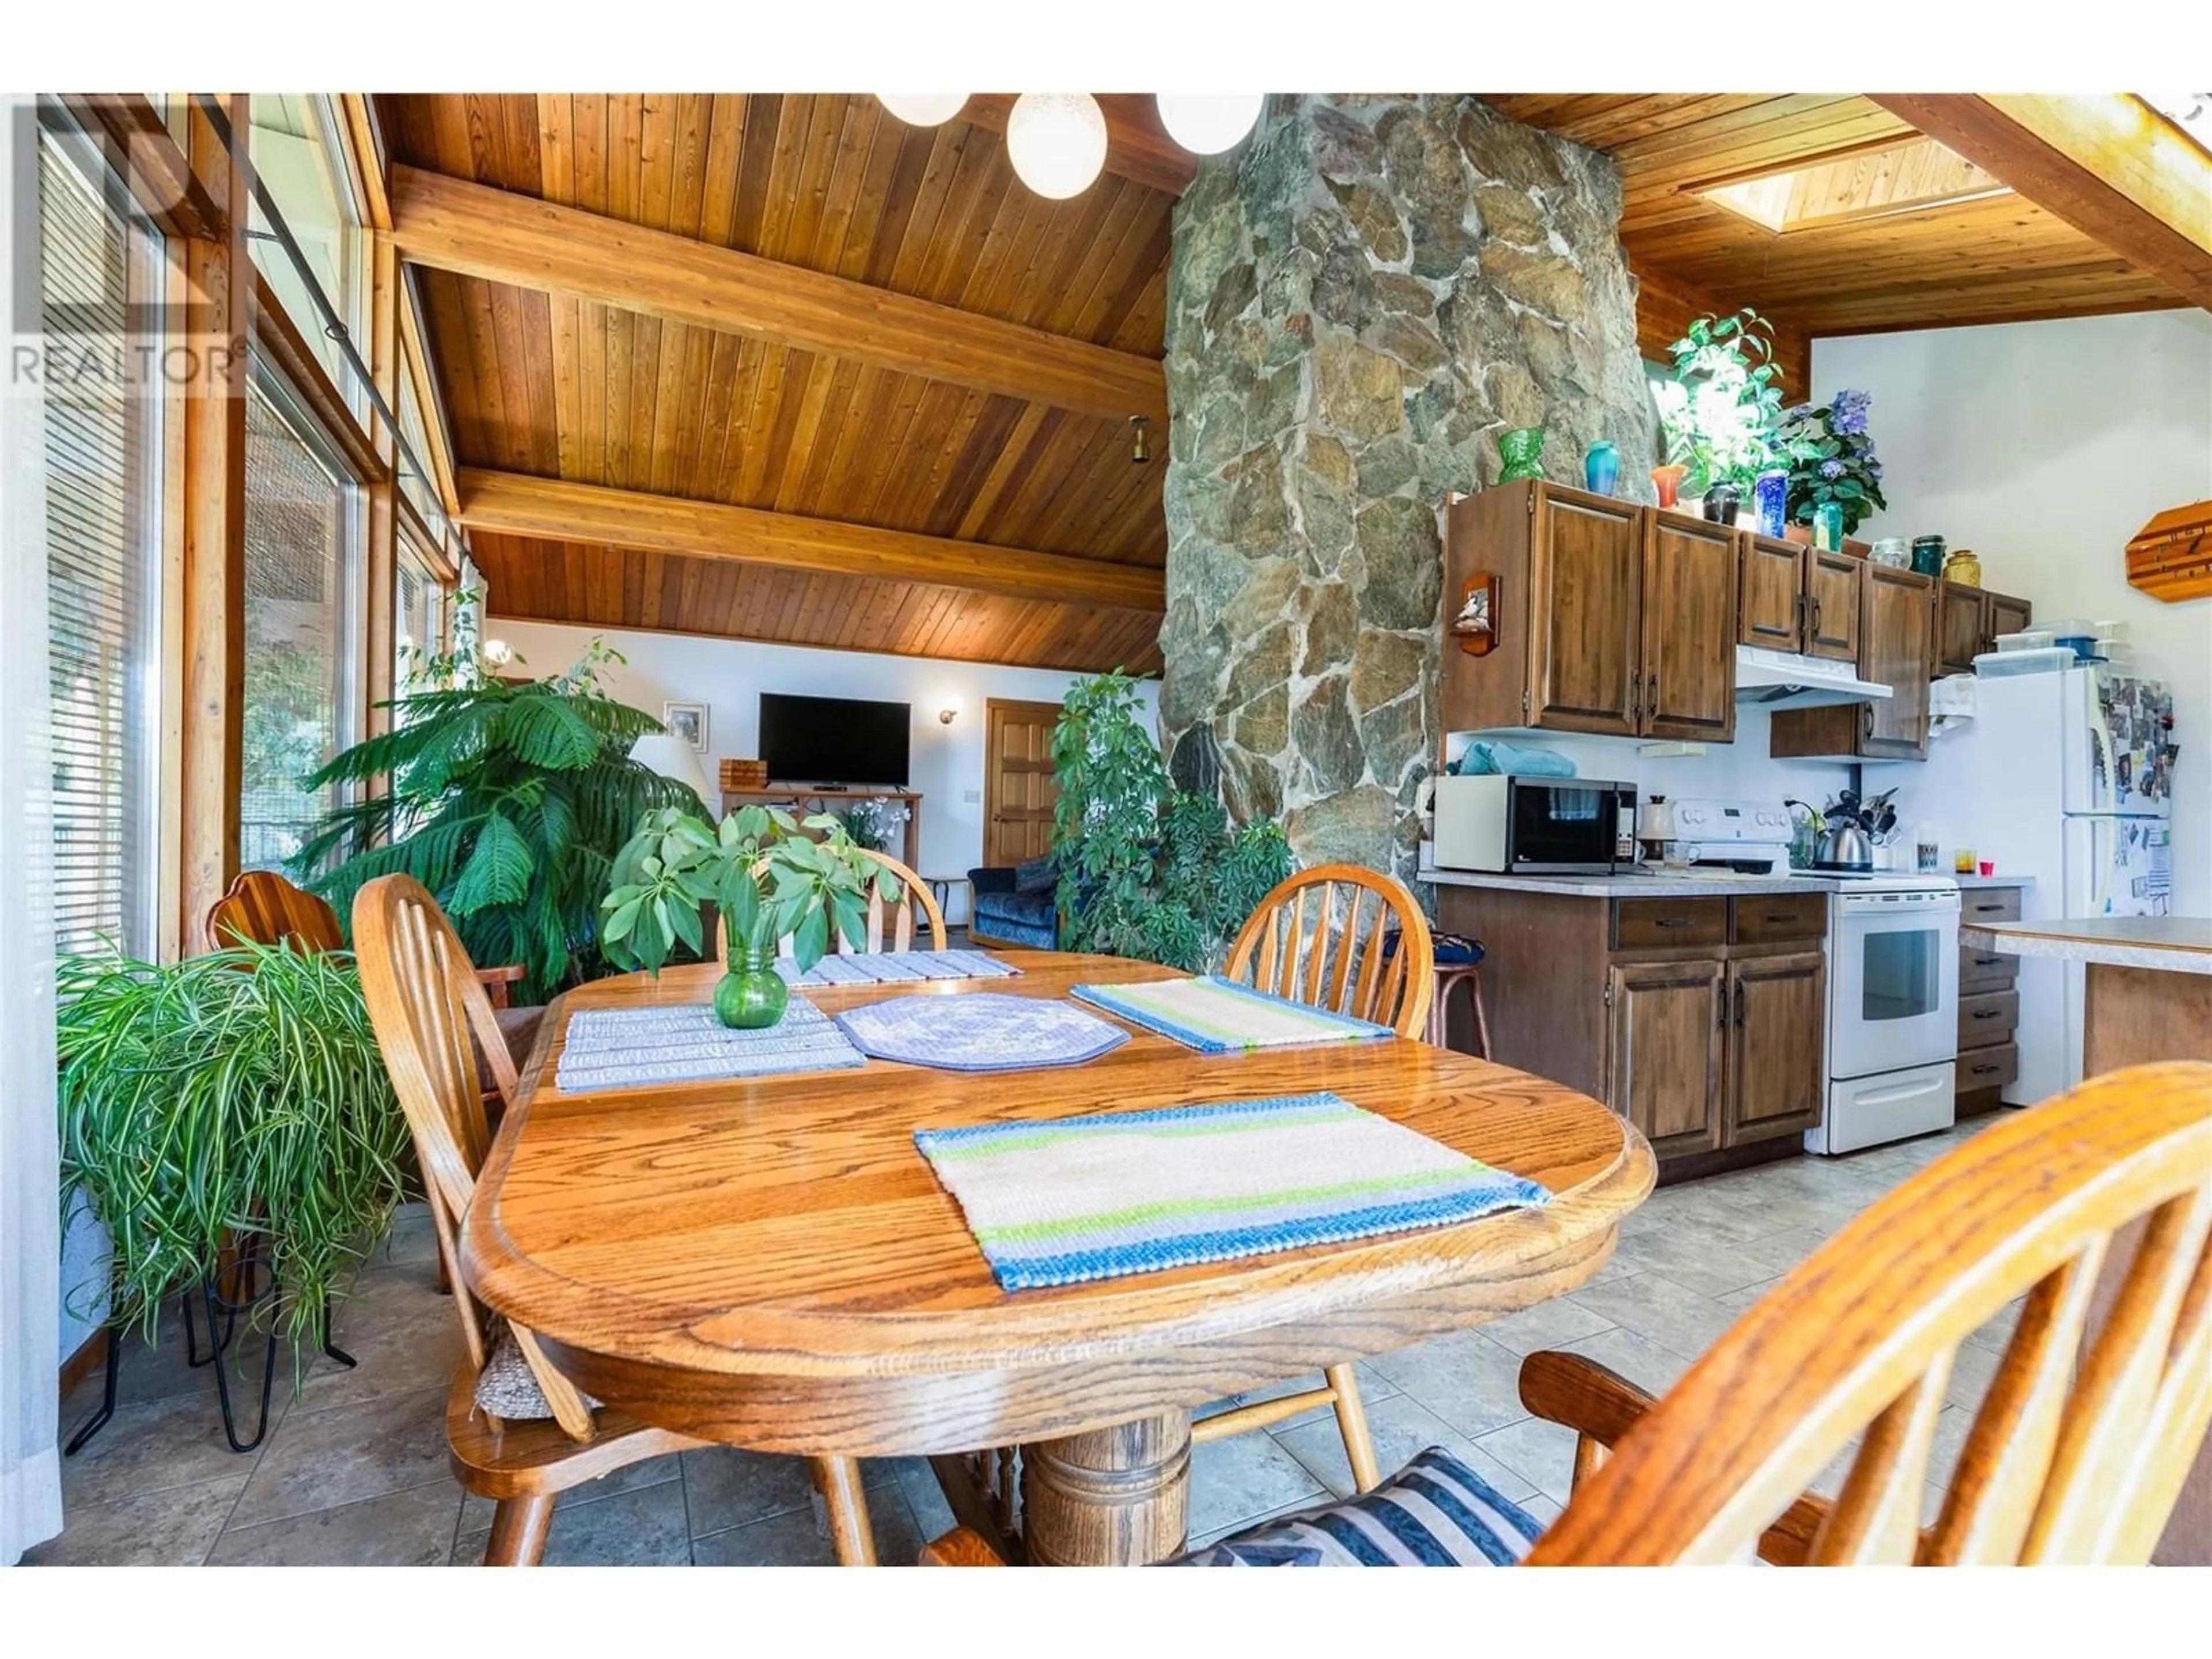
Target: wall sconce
x,y
1140,439
950,712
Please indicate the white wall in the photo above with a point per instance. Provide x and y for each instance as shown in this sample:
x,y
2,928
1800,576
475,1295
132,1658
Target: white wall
x,y
729,676
2044,447
1742,770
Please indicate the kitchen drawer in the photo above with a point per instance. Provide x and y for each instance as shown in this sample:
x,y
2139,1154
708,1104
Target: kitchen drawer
x,y
1663,924
1985,970
1988,904
1761,920
1986,1019
1989,1068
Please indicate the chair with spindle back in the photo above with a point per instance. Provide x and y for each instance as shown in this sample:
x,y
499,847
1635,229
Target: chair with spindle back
x,y
519,1431
261,908
2078,1447
899,914
1316,939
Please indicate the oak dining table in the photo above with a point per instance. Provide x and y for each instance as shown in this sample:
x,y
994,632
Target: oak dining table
x,y
770,1262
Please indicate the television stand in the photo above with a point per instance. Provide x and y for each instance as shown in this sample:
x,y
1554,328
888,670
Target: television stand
x,y
801,799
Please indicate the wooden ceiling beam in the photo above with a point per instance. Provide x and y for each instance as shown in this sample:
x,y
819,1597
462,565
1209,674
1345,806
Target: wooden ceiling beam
x,y
1138,146
516,504
502,237
151,162
2106,163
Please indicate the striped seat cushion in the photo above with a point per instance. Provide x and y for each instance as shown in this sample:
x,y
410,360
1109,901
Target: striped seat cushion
x,y
1435,1512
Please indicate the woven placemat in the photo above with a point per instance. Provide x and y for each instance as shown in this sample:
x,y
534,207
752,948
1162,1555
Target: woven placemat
x,y
1058,1202
627,1047
897,968
980,1031
1217,1016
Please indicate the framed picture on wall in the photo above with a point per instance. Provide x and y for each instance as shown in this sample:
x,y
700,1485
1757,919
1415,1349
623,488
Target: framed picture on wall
x,y
687,720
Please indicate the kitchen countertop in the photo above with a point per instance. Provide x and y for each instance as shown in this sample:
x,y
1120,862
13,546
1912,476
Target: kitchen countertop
x,y
1632,886
2174,944
1995,881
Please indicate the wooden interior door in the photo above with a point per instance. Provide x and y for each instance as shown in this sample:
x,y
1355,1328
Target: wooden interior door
x,y
1894,623
1585,582
1831,605
1689,629
1665,1070
1019,789
1776,1006
1773,606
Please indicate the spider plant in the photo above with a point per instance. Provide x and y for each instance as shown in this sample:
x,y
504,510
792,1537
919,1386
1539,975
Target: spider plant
x,y
232,1096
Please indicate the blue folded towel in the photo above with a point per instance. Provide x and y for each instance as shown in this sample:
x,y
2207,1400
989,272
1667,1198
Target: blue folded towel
x,y
1494,755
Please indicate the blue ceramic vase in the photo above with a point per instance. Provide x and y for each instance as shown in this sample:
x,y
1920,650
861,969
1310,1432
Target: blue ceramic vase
x,y
1771,493
1601,468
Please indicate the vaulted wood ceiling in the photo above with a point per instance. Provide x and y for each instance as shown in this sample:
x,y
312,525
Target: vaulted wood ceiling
x,y
2002,258
553,386
761,366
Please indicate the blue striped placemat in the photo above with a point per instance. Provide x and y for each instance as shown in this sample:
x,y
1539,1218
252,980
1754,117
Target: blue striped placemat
x,y
1063,1201
1217,1016
896,968
627,1047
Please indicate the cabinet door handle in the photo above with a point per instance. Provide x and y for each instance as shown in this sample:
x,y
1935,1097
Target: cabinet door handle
x,y
1983,909
1739,1005
1636,698
1984,1071
1865,720
1990,1013
1672,921
1987,962
1787,915
1816,618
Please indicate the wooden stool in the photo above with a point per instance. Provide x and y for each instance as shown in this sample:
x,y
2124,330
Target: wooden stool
x,y
1449,977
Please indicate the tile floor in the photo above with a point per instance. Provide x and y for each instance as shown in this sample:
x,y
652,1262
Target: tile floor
x,y
354,1470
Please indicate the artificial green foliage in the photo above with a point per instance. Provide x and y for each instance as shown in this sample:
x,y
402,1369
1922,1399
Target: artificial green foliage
x,y
237,1093
1720,408
764,869
507,800
1146,870
1830,457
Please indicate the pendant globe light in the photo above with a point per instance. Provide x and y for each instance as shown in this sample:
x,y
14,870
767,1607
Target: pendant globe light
x,y
1057,142
923,109
1207,123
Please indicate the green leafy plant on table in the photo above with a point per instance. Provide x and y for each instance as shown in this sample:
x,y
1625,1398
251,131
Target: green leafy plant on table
x,y
772,876
1720,410
231,1098
1145,869
507,800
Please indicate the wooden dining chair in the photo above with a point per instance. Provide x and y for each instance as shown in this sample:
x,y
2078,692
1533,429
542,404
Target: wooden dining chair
x,y
520,1433
2081,1444
2078,1448
1321,938
262,908
1318,939
893,921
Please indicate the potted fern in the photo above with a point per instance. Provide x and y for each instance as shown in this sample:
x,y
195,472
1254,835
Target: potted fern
x,y
508,799
771,879
237,1096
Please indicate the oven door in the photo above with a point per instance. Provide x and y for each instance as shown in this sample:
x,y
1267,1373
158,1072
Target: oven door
x,y
1895,1001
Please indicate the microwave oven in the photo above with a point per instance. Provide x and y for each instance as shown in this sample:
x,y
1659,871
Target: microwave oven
x,y
1531,826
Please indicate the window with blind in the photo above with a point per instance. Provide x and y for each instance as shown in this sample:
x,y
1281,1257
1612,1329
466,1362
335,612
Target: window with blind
x,y
97,255
418,620
303,575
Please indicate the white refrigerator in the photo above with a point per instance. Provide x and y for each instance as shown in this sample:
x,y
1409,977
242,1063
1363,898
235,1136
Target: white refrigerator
x,y
2067,780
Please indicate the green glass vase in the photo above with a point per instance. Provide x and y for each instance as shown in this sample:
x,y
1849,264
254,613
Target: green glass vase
x,y
1523,452
751,996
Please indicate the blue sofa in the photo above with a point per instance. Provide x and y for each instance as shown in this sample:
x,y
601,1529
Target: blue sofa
x,y
1014,906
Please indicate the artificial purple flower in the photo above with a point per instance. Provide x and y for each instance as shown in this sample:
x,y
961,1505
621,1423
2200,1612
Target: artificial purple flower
x,y
1848,414
1832,469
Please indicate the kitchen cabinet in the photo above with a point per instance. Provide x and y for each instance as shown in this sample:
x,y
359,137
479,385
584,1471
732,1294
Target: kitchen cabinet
x,y
1897,615
1968,620
1989,1005
1698,1018
1798,598
1612,618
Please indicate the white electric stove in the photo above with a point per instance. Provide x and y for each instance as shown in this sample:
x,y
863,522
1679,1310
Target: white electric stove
x,y
1891,1039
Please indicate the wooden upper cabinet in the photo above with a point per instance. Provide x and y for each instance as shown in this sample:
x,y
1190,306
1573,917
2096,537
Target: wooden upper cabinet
x,y
2002,614
1962,627
1689,687
1586,589
1771,607
1664,1071
1775,1006
1833,584
1895,616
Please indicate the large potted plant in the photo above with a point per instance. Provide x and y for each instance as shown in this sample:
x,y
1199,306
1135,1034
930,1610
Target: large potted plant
x,y
1146,870
773,877
1830,457
1720,410
231,1098
506,799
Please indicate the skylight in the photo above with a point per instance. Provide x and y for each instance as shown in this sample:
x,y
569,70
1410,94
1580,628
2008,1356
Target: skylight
x,y
1907,177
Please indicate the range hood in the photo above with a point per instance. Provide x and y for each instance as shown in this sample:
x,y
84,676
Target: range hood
x,y
1782,679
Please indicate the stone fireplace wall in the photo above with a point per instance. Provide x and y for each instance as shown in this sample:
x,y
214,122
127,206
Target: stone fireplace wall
x,y
1359,301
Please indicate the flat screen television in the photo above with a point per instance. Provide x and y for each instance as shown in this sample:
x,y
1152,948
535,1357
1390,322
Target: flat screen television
x,y
834,739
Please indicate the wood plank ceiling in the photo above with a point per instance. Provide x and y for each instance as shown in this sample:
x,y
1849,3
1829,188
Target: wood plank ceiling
x,y
556,387
1999,259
